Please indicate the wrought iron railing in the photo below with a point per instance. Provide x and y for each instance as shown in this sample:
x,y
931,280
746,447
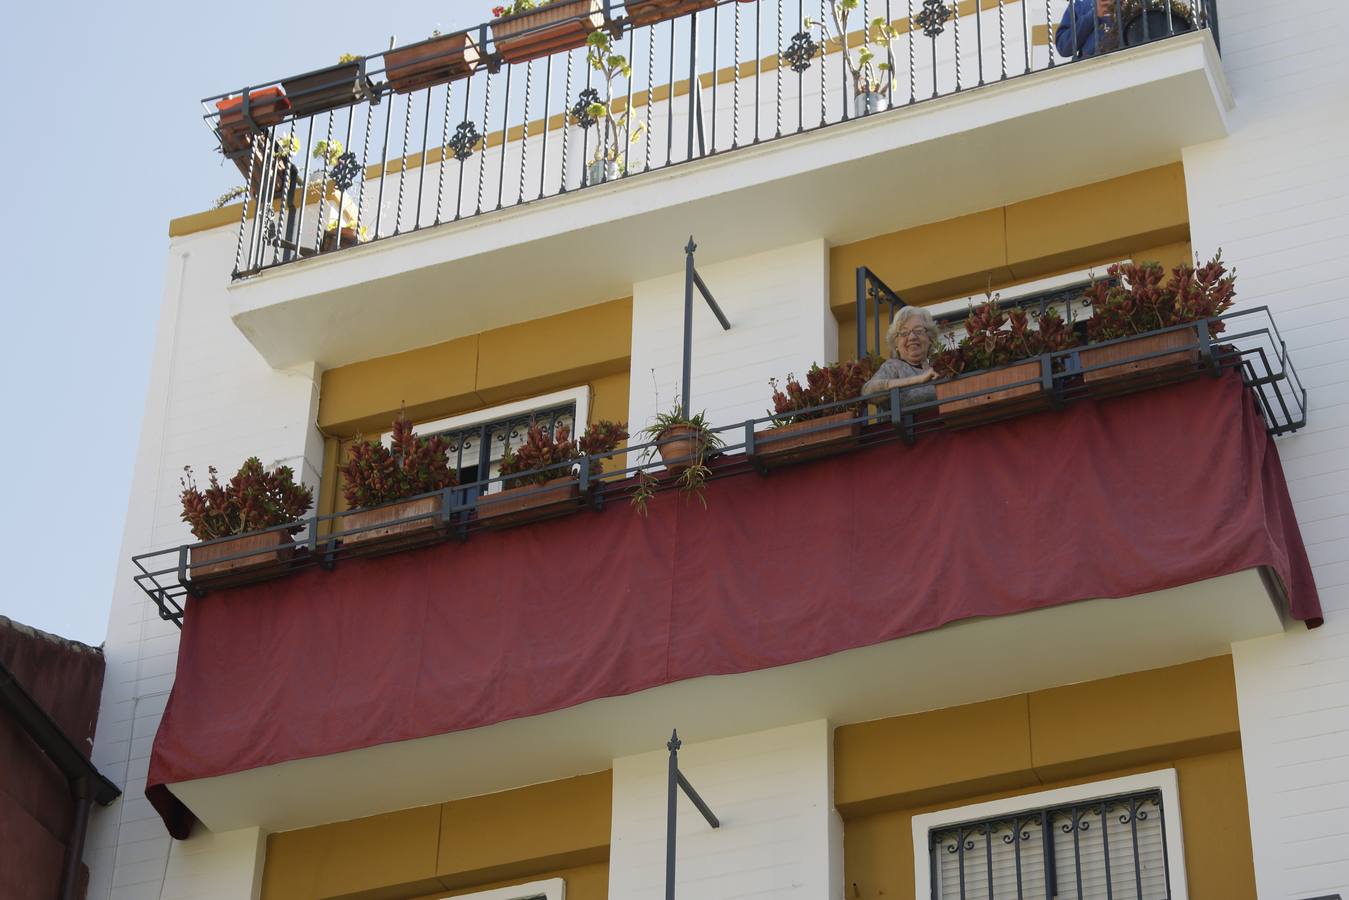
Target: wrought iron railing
x,y
468,124
1249,343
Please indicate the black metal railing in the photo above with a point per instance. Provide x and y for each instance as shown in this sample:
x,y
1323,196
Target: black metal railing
x,y
1104,848
1250,344
396,142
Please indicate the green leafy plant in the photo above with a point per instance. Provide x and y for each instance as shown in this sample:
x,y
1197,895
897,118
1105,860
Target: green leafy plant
x,y
515,7
252,500
997,337
834,383
330,151
374,474
691,474
347,58
541,450
285,146
1134,300
869,76
233,193
618,129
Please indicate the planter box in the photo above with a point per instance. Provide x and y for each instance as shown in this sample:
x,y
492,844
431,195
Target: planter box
x,y
995,403
330,88
431,62
649,12
788,443
267,107
269,553
396,536
339,237
1142,371
520,504
547,29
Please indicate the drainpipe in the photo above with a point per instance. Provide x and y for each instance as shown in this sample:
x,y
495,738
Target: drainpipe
x,y
70,878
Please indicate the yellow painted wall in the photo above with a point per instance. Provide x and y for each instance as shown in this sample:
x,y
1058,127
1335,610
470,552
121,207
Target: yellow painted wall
x,y
1144,216
557,829
589,346
1184,717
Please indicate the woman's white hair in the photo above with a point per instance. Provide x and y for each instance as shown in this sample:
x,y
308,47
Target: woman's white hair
x,y
909,313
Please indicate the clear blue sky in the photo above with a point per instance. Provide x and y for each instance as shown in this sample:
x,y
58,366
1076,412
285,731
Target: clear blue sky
x,y
102,145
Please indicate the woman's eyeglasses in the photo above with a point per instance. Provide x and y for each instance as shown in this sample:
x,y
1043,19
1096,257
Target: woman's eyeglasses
x,y
912,332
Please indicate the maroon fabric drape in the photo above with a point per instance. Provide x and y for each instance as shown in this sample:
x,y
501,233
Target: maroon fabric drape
x,y
1104,499
37,809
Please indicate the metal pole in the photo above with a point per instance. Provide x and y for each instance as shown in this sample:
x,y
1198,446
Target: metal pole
x,y
75,851
688,336
672,788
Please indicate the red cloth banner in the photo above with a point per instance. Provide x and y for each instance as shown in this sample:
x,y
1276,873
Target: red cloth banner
x,y
1104,499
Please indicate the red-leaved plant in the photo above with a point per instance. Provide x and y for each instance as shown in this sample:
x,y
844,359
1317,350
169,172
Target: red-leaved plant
x,y
1134,300
833,383
541,449
252,500
997,337
375,474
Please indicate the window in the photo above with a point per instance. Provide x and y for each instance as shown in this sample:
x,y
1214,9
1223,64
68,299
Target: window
x,y
549,889
1112,840
1062,293
500,426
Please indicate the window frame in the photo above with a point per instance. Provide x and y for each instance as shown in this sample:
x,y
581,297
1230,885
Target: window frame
x,y
548,889
579,395
1163,780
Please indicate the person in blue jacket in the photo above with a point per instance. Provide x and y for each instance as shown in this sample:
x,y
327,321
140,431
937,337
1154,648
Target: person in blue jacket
x,y
1094,18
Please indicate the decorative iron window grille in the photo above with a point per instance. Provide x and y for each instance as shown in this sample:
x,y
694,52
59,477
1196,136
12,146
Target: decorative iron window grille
x,y
1113,848
466,444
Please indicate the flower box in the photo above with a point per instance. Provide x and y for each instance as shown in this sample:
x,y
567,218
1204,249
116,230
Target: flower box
x,y
520,504
1151,370
395,536
325,89
994,402
266,107
807,440
649,12
431,62
546,29
267,552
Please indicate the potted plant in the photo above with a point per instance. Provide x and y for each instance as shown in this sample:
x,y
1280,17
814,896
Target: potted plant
x,y
682,442
1134,301
232,517
328,88
436,60
592,107
649,12
799,435
528,29
545,470
340,169
999,348
377,480
871,79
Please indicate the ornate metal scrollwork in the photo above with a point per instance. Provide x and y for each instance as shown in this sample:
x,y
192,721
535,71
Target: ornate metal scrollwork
x,y
345,171
932,17
466,137
580,110
802,49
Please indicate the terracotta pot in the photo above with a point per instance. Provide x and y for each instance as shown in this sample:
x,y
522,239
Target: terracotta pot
x,y
350,237
1143,370
788,443
519,504
546,29
430,62
330,88
677,445
648,12
390,537
994,403
268,553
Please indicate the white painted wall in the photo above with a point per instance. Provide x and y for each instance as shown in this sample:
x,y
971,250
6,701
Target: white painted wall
x,y
1274,197
778,307
780,835
212,400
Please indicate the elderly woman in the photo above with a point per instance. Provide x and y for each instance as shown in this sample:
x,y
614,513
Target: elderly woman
x,y
911,337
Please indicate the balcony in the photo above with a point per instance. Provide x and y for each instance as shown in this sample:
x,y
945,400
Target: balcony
x,y
436,189
920,546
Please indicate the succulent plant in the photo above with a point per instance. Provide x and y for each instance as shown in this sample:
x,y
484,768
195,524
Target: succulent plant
x,y
374,474
252,500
